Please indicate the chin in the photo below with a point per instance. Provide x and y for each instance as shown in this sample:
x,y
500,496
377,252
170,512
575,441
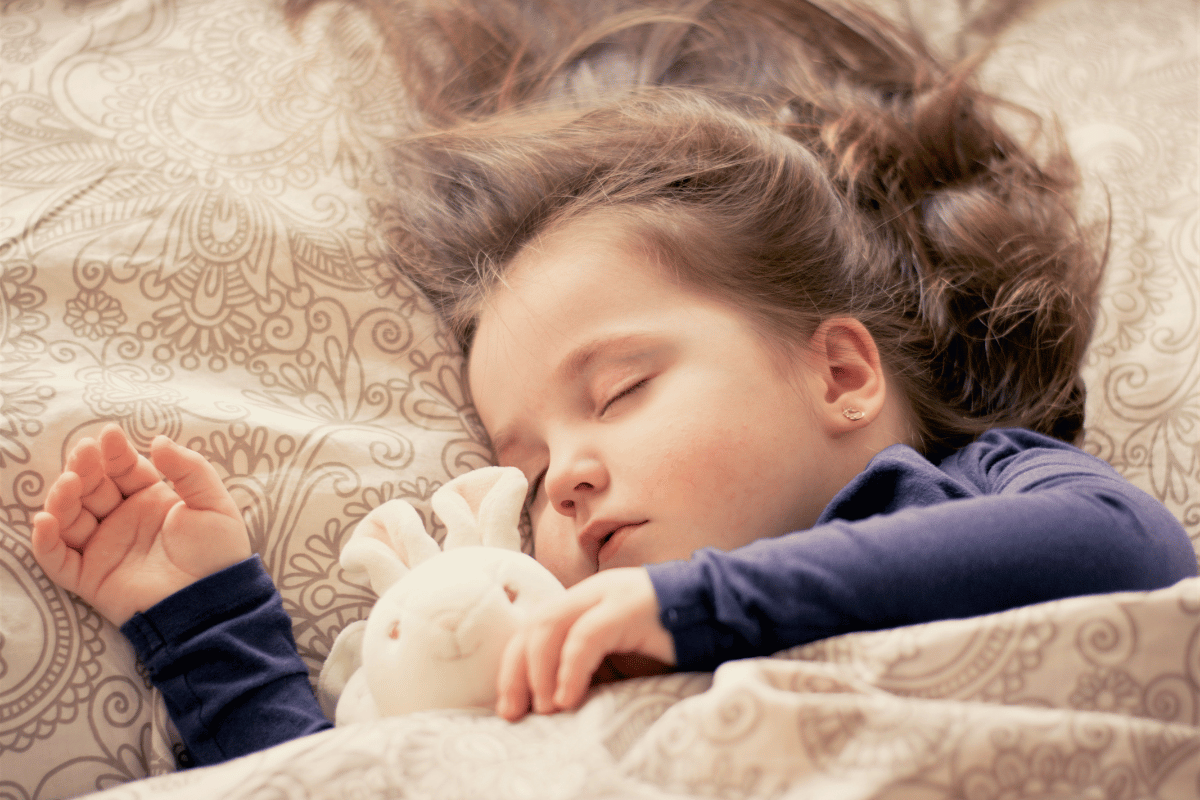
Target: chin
x,y
569,578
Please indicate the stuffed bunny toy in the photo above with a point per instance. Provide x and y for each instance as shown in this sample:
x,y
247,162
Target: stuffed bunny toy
x,y
436,634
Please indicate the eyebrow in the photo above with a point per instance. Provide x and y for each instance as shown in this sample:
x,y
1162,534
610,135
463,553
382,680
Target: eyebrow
x,y
580,360
577,364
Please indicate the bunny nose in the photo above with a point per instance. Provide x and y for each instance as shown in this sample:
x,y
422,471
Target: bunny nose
x,y
450,619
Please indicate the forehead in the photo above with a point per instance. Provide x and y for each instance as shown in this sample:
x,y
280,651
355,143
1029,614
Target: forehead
x,y
572,296
582,282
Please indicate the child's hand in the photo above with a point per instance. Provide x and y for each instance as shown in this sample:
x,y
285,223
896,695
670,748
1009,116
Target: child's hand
x,y
114,533
552,658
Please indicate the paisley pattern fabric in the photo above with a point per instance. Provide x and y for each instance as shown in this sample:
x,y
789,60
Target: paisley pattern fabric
x,y
1081,698
190,198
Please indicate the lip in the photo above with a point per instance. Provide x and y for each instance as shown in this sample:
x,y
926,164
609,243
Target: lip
x,y
610,544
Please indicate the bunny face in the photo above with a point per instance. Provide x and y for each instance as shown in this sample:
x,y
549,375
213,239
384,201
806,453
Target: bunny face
x,y
434,640
435,637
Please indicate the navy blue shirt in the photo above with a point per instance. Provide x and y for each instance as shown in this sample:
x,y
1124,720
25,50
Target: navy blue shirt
x,y
1012,519
223,654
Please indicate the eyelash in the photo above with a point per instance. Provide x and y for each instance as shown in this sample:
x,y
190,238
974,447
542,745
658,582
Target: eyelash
x,y
624,393
536,484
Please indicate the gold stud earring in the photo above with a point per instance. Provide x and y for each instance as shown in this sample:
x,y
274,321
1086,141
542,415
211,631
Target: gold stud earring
x,y
853,414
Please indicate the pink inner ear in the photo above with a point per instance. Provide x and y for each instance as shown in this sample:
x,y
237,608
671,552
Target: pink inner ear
x,y
379,531
376,529
473,491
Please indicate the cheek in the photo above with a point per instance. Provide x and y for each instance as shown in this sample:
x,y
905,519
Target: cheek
x,y
705,463
716,481
555,548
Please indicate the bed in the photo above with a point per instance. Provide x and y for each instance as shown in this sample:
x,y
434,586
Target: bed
x,y
192,194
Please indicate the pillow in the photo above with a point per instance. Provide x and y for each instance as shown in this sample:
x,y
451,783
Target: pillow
x,y
1120,79
189,192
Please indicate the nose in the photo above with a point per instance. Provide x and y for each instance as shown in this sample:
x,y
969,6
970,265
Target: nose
x,y
576,479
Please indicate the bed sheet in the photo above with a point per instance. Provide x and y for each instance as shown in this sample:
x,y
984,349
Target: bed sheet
x,y
192,196
190,206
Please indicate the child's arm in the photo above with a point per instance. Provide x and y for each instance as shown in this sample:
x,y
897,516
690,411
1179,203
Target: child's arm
x,y
170,564
1011,520
1014,519
222,653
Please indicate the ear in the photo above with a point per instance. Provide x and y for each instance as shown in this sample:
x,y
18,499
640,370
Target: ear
x,y
387,543
849,375
483,507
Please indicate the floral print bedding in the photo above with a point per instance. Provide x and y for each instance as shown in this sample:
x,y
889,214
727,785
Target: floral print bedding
x,y
191,197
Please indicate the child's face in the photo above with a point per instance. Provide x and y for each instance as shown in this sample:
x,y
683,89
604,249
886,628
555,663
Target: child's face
x,y
652,420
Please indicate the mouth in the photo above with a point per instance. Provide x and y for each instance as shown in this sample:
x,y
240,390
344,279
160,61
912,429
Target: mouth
x,y
610,543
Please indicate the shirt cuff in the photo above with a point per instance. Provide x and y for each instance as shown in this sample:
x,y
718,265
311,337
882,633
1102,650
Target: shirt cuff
x,y
686,610
221,596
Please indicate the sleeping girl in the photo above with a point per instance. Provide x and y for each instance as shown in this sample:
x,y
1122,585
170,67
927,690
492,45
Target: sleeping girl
x,y
784,353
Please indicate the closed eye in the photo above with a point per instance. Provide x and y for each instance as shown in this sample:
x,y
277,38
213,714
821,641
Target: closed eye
x,y
623,394
534,486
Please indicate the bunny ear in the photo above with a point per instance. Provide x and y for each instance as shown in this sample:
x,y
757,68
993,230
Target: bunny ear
x,y
388,542
483,507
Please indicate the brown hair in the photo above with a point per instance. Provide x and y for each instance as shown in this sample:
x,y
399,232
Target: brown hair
x,y
802,160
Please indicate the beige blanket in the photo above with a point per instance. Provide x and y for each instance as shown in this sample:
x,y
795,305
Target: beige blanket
x,y
190,194
1092,697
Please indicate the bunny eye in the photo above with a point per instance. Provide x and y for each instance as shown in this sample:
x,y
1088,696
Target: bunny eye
x,y
394,630
511,591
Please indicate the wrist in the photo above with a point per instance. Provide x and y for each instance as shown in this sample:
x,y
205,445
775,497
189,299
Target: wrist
x,y
216,597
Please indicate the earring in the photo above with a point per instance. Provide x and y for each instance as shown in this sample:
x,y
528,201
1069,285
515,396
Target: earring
x,y
853,414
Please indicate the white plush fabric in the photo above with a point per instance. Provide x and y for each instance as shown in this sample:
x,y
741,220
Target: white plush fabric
x,y
189,199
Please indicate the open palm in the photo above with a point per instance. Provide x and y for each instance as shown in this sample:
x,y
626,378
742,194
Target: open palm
x,y
121,538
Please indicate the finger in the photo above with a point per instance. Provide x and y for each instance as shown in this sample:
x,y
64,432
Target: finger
x,y
74,524
512,685
129,471
542,651
60,563
545,644
86,447
195,480
99,494
64,500
593,636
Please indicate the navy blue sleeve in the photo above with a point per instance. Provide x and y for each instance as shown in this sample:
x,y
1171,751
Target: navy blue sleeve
x,y
1013,519
223,654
